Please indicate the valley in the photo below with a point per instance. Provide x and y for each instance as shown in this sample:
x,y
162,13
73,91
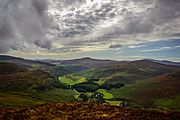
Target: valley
x,y
135,84
26,82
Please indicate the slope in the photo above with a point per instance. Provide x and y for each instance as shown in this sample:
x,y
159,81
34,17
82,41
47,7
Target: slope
x,y
21,86
127,73
85,62
161,91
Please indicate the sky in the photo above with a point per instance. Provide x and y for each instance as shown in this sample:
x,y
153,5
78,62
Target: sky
x,y
104,29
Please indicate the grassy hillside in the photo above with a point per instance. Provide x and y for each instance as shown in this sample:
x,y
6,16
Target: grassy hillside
x,y
8,68
55,70
21,86
126,73
161,91
61,70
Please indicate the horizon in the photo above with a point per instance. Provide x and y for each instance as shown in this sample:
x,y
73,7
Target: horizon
x,y
41,59
101,29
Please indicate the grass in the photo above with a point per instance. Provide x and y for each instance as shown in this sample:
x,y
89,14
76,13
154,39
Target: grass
x,y
171,103
110,75
66,80
106,94
89,94
10,100
69,80
58,95
124,74
128,91
35,66
159,92
140,94
100,82
33,97
116,103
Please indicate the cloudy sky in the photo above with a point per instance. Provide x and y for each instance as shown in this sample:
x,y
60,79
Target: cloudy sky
x,y
111,29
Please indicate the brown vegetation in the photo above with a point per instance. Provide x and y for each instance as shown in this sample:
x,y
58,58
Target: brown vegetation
x,y
76,111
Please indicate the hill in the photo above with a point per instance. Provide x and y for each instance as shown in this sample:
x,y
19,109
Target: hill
x,y
21,86
25,82
61,70
85,62
9,68
23,62
55,70
92,111
166,62
102,81
126,73
161,91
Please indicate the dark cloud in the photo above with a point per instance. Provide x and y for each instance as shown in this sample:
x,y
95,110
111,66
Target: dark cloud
x,y
40,6
165,10
22,22
43,44
5,28
176,35
115,46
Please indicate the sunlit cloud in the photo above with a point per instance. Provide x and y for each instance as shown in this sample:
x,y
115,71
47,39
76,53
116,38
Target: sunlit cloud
x,y
160,49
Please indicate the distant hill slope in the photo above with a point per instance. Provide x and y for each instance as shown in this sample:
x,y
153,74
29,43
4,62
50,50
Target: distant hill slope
x,y
55,70
161,91
86,62
129,72
166,62
85,111
67,69
21,61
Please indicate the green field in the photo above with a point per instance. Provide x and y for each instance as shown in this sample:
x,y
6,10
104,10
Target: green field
x,y
72,80
116,103
106,94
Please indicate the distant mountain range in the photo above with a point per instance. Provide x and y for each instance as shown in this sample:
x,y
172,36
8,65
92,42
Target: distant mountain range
x,y
86,62
165,62
95,63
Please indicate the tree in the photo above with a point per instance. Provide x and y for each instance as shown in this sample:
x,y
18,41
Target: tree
x,y
83,98
98,97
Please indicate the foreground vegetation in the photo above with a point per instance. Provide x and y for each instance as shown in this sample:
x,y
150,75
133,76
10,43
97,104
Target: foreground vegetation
x,y
76,111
